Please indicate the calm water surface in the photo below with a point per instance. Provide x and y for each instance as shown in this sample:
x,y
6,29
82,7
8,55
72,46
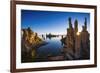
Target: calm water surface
x,y
52,48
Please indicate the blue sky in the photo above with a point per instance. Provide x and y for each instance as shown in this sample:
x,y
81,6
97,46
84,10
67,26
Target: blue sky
x,y
54,22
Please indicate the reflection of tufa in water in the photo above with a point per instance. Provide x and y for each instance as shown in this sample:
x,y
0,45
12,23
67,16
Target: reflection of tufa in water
x,y
76,44
51,35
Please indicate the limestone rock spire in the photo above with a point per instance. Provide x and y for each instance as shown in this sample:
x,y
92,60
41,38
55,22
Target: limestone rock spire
x,y
70,23
76,26
85,23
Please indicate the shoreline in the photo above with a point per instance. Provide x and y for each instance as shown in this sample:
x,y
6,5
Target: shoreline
x,y
39,45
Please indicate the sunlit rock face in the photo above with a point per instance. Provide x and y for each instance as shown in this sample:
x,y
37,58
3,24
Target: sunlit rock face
x,y
29,42
69,42
77,43
85,44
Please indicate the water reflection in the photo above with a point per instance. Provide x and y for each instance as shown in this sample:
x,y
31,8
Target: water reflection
x,y
53,48
50,37
45,37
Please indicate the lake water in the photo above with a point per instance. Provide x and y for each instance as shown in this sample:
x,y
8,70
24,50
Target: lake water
x,y
53,47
